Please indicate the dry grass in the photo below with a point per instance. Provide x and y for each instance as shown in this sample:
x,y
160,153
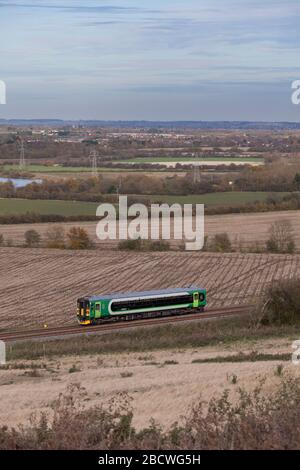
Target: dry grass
x,y
253,421
156,381
165,337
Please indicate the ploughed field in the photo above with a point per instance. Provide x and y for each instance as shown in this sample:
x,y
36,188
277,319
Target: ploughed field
x,y
40,286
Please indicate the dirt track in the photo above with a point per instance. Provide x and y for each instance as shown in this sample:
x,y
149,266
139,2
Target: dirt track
x,y
39,285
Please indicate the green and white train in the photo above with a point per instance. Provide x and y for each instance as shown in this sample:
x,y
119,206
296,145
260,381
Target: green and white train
x,y
138,305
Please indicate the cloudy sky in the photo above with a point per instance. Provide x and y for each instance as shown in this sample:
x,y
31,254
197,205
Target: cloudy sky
x,y
154,60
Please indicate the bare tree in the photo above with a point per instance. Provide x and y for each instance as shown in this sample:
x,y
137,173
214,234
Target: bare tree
x,y
32,238
281,237
55,237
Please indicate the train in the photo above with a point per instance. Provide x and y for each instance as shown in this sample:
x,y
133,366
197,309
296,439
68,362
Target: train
x,y
140,305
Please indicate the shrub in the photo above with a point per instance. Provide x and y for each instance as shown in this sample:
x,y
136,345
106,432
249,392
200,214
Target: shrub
x,y
32,238
9,242
221,243
78,239
281,238
159,245
74,369
144,245
126,375
55,237
279,370
251,421
281,304
1,240
135,245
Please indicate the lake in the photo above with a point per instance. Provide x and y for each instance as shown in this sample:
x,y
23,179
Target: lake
x,y
20,182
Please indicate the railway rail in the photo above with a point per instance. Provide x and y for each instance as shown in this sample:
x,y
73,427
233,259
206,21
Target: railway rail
x,y
55,332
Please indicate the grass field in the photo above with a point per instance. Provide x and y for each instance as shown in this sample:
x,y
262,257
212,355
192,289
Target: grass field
x,y
21,206
64,169
61,169
232,198
188,159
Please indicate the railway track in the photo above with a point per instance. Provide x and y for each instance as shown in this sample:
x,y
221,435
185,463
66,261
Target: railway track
x,y
55,332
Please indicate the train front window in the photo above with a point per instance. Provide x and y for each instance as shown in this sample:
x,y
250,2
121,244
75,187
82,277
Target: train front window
x,y
82,307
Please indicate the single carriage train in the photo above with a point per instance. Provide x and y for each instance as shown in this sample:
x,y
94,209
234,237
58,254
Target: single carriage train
x,y
140,305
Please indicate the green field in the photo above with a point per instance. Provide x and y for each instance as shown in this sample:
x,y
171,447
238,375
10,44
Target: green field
x,y
51,169
237,160
87,169
75,208
66,208
72,169
232,198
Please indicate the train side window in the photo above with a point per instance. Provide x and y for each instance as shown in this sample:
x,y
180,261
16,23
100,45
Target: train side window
x,y
97,307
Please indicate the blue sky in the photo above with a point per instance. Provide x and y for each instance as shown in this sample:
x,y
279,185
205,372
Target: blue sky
x,y
155,60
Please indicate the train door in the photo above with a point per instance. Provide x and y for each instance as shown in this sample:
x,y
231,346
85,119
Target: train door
x,y
97,310
196,299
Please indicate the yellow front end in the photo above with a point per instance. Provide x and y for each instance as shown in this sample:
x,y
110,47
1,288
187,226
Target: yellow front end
x,y
83,312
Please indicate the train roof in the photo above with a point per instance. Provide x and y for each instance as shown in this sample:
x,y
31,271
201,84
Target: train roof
x,y
125,295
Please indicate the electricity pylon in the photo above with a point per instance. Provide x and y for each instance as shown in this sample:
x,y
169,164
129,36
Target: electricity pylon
x,y
196,174
22,162
94,161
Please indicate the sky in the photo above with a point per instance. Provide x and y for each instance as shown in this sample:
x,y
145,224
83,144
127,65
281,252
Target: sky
x,y
152,60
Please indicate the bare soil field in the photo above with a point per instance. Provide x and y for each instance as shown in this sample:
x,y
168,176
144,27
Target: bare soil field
x,y
40,286
155,382
244,230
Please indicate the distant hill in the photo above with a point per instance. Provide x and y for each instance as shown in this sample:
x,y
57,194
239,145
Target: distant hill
x,y
234,125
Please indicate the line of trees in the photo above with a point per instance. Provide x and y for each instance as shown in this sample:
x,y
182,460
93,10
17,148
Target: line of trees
x,y
76,238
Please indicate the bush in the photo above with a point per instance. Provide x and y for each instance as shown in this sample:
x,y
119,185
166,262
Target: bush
x,y
251,421
281,304
221,243
135,245
32,238
9,242
144,245
1,239
78,239
160,245
55,237
281,238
